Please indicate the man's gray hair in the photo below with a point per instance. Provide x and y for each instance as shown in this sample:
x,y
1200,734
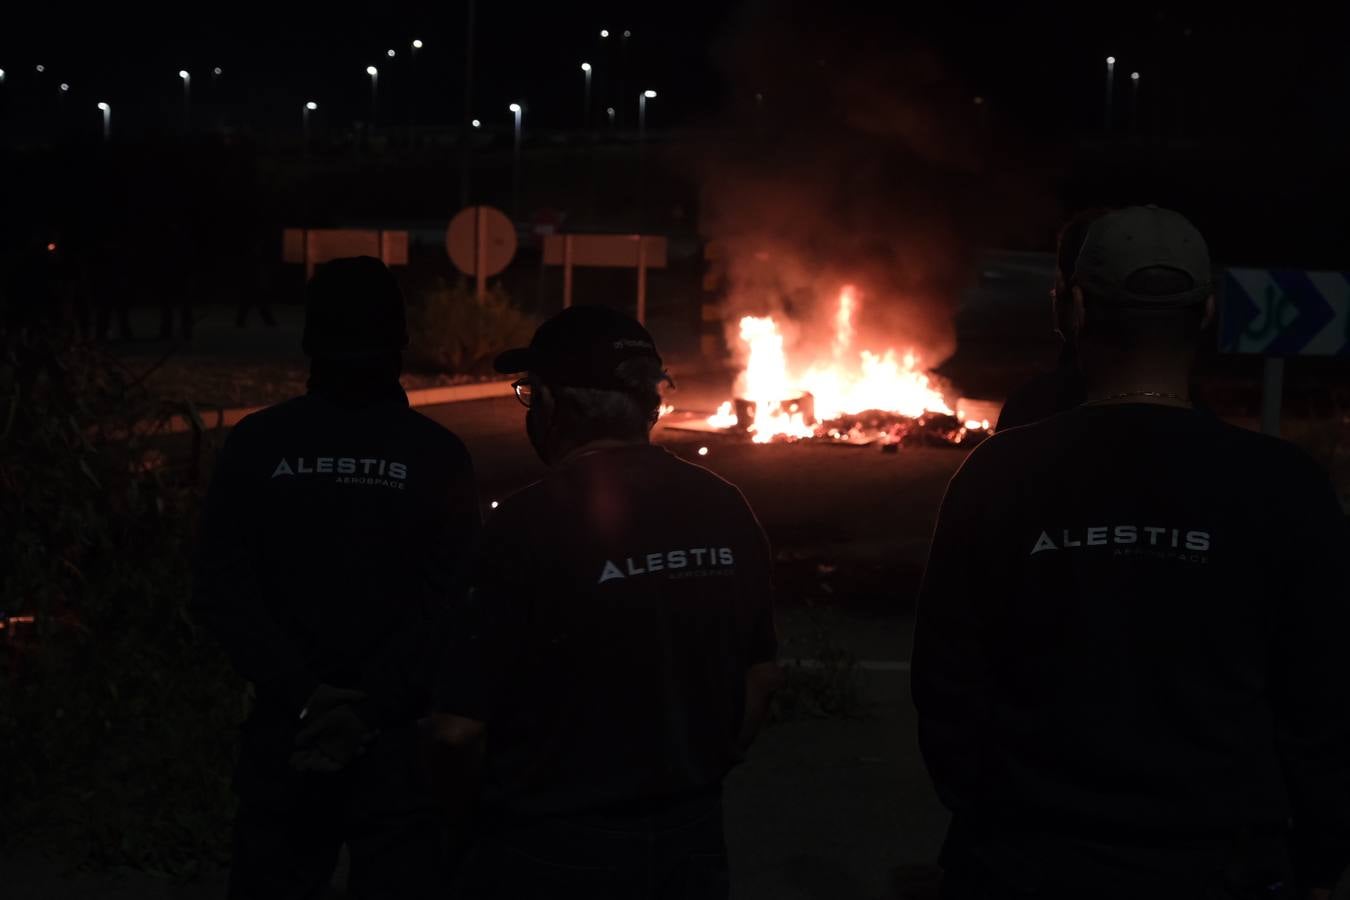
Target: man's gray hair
x,y
625,414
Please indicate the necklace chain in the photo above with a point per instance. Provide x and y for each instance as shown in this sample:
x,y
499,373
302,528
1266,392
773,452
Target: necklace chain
x,y
1157,395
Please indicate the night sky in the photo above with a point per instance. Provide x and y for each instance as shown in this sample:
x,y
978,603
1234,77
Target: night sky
x,y
1238,73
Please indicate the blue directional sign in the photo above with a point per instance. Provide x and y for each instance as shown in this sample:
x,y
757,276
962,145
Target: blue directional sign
x,y
1285,312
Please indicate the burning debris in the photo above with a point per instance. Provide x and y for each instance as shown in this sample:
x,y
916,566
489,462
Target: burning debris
x,y
852,396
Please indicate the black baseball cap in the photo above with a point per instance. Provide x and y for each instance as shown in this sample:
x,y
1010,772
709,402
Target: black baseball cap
x,y
354,309
582,346
1122,244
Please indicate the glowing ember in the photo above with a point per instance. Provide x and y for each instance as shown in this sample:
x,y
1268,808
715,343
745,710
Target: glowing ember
x,y
851,382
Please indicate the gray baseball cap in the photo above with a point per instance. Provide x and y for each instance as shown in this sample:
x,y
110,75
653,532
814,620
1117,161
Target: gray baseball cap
x,y
1124,243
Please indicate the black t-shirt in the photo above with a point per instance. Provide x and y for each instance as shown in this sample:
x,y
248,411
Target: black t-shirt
x,y
617,606
334,538
1133,624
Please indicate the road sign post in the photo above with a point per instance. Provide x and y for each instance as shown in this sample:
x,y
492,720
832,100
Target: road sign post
x,y
481,241
567,271
1278,313
314,246
627,251
1272,394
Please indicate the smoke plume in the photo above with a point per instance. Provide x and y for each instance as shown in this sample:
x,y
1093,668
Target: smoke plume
x,y
847,156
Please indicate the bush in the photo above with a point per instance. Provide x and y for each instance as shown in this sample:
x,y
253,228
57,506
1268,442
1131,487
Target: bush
x,y
827,683
117,716
452,330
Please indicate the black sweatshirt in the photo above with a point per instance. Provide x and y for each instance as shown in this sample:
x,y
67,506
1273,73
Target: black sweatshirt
x,y
617,606
1134,625
334,538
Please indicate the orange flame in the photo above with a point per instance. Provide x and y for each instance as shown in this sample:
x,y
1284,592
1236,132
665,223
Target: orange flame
x,y
886,381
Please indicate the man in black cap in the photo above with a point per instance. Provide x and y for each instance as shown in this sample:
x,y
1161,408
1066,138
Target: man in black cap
x,y
1129,662
332,542
622,644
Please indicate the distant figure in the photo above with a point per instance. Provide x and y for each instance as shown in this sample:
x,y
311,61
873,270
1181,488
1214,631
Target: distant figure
x,y
1061,388
258,293
175,287
109,279
1129,663
622,643
332,545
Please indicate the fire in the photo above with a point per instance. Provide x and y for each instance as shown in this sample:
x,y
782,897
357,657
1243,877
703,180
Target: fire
x,y
852,381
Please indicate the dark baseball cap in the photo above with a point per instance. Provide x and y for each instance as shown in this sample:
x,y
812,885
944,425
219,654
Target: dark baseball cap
x,y
582,346
1122,245
354,309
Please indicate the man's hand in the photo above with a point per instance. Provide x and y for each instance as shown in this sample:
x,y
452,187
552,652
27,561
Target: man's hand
x,y
332,734
325,698
452,731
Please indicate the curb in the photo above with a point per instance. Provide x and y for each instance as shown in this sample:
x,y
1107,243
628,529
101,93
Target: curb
x,y
436,396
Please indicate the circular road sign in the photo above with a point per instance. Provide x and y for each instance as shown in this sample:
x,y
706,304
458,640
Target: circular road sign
x,y
499,239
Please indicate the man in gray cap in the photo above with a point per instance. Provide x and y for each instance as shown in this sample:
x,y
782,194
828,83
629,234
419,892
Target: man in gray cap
x,y
1129,659
332,542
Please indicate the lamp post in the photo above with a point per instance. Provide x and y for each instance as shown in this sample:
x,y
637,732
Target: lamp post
x,y
187,97
519,112
1134,102
642,114
412,84
1110,91
586,107
308,108
107,121
374,74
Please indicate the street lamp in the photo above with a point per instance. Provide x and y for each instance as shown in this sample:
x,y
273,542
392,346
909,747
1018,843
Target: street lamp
x,y
390,53
518,111
476,123
1110,88
586,109
604,33
187,97
107,121
609,112
416,44
40,68
1134,101
2,76
642,113
374,74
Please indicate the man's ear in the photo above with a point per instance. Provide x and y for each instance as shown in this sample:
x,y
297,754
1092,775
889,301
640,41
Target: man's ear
x,y
1078,313
1209,312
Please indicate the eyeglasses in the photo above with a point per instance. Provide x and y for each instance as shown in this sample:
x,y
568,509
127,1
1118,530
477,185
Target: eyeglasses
x,y
524,391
